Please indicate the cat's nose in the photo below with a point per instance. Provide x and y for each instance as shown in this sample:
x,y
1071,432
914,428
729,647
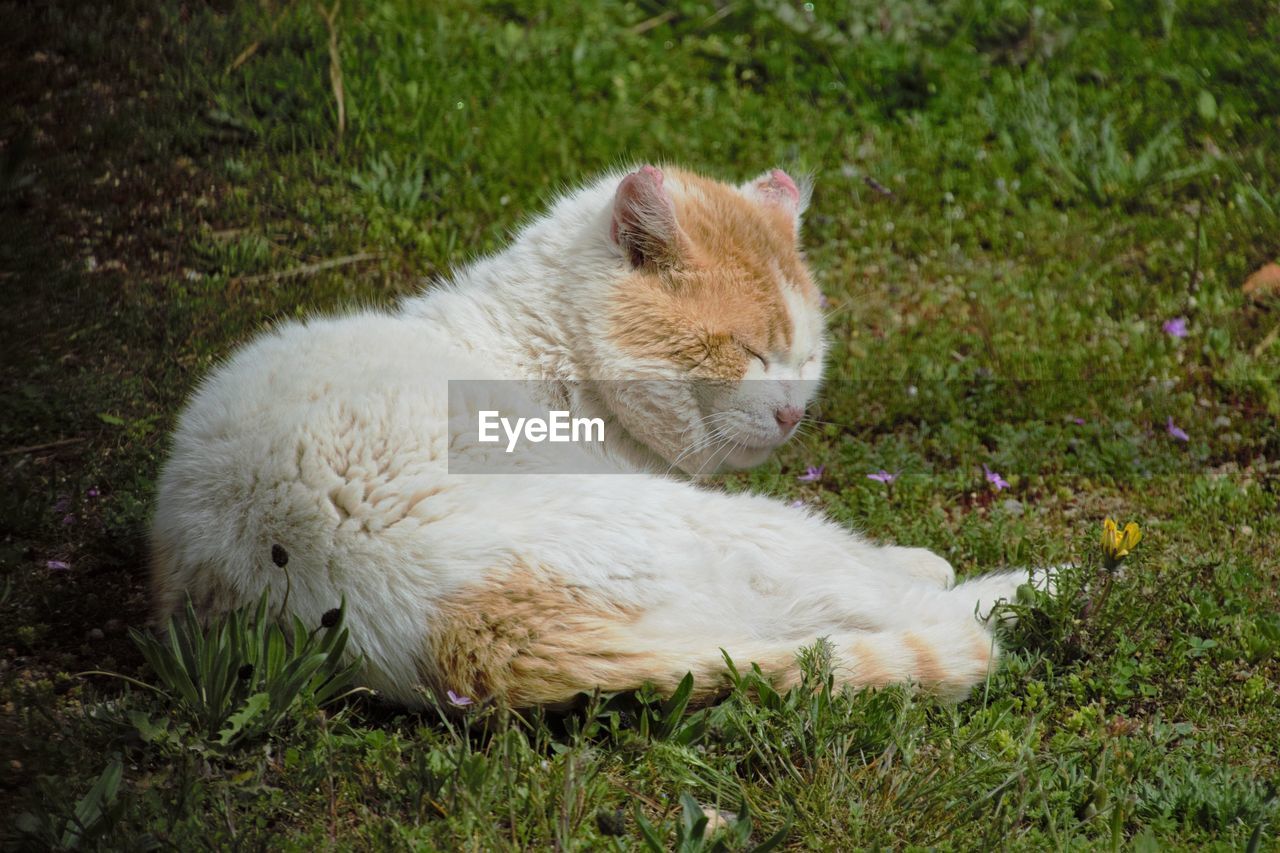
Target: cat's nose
x,y
788,417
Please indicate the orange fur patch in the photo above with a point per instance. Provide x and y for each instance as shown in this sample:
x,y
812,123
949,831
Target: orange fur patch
x,y
986,652
928,669
723,297
871,671
526,638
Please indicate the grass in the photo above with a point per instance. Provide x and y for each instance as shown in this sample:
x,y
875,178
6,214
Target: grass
x,y
1011,200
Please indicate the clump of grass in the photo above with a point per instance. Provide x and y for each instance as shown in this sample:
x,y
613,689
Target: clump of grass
x,y
236,677
702,830
396,186
1092,156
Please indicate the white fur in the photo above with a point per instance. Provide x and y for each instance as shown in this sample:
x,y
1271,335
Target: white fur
x,y
329,437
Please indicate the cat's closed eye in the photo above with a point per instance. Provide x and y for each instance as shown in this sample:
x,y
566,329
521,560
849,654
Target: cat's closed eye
x,y
764,362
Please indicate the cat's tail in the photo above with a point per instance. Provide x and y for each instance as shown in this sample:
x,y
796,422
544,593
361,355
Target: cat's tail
x,y
946,659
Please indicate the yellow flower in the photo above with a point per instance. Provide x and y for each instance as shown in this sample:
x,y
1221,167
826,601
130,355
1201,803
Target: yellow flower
x,y
1116,543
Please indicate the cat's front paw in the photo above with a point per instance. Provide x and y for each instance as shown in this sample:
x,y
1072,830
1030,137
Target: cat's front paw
x,y
923,565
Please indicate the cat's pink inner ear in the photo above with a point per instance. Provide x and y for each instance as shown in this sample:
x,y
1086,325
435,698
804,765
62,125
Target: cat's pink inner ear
x,y
644,218
781,182
777,187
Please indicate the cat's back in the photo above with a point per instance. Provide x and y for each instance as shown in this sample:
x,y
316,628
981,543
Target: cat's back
x,y
316,387
314,430
289,369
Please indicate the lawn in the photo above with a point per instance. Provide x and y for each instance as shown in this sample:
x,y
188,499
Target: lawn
x,y
1034,225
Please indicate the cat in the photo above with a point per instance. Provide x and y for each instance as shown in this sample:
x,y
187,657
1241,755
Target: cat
x,y
678,310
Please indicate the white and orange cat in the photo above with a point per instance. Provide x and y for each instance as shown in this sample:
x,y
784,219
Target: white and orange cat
x,y
678,310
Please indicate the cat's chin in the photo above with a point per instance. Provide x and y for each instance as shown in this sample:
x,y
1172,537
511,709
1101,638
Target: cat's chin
x,y
746,457
714,462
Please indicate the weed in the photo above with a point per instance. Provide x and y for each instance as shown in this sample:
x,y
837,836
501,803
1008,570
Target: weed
x,y
87,824
236,677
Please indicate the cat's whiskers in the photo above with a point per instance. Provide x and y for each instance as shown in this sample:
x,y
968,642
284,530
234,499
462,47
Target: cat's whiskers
x,y
710,446
704,442
820,422
718,457
707,421
805,429
808,436
714,424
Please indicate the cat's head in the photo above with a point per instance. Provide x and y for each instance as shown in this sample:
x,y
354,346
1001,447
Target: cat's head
x,y
717,323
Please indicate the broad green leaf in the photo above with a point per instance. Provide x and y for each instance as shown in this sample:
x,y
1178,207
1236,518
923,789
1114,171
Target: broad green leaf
x,y
238,722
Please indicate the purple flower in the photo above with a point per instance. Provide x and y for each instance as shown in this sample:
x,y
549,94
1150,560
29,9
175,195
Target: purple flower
x,y
882,476
1175,430
1176,328
458,701
58,565
93,492
823,301
797,504
1077,421
994,478
68,519
812,474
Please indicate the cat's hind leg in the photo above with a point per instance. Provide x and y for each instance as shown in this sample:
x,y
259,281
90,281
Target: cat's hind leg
x,y
524,642
920,564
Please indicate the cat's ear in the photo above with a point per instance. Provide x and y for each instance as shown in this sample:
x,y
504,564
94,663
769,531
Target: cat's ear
x,y
776,188
644,223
